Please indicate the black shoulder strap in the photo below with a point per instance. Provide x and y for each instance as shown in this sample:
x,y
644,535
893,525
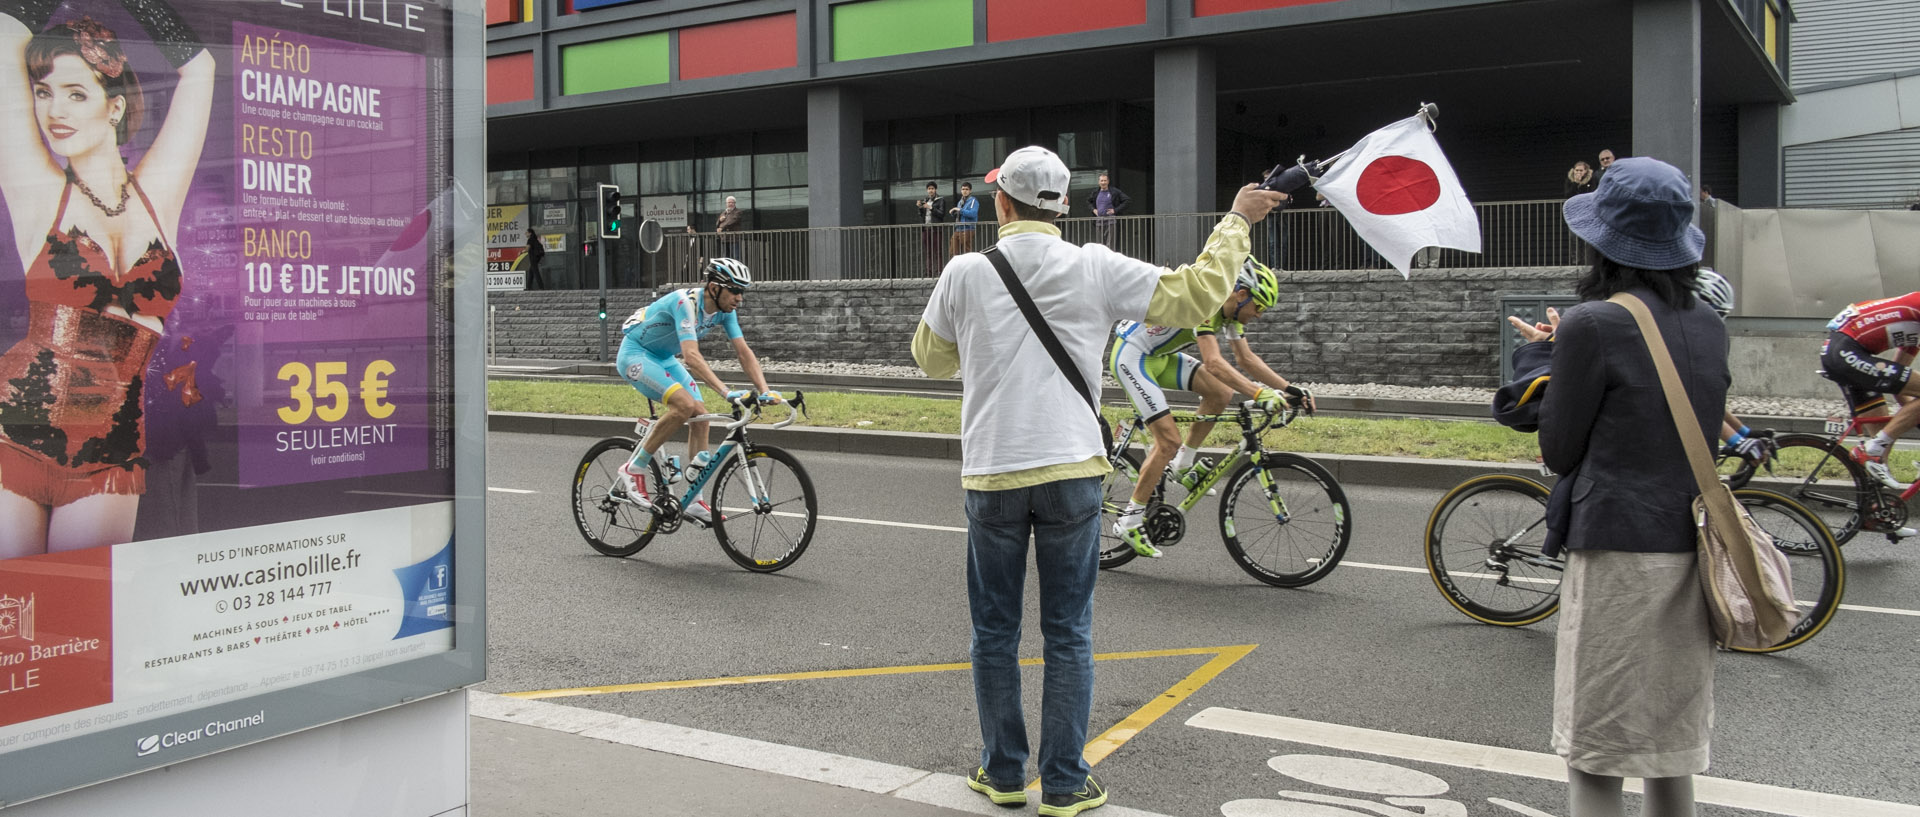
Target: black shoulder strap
x,y
1045,333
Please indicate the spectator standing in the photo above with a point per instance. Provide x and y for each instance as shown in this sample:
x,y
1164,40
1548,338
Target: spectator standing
x,y
1606,161
966,211
1107,202
933,210
728,225
536,252
1031,454
1633,676
1581,179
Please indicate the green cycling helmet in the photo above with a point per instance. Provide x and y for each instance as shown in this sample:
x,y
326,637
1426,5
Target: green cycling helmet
x,y
1260,282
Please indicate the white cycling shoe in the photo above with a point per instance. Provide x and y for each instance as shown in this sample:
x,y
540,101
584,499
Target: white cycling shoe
x,y
1881,474
699,510
633,489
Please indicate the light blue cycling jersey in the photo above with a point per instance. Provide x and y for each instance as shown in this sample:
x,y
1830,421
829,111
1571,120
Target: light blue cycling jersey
x,y
680,315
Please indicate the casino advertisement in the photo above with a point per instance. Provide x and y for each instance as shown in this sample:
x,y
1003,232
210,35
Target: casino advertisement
x,y
226,348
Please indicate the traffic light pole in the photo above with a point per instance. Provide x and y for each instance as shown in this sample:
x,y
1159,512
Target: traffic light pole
x,y
600,249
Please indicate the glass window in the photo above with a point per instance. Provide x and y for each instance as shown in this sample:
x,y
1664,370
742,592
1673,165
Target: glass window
x,y
707,207
726,173
550,183
926,161
977,156
873,208
779,169
873,163
674,176
1086,148
780,209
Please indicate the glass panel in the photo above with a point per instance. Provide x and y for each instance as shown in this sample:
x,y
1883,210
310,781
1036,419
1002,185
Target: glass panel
x,y
707,207
726,173
780,209
925,161
550,183
977,156
666,177
873,163
507,187
1085,149
873,209
779,170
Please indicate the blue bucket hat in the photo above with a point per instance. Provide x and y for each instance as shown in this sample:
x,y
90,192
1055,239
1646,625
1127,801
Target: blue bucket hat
x,y
1641,216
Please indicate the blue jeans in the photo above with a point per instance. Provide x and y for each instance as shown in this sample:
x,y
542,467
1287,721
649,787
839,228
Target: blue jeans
x,y
1064,520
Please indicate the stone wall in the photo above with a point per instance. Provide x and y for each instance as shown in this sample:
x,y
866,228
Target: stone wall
x,y
1441,328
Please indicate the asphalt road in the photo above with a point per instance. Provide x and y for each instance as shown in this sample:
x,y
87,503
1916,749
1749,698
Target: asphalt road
x,y
1372,646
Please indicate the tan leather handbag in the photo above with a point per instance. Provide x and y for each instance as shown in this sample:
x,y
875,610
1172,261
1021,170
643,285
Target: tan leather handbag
x,y
1748,583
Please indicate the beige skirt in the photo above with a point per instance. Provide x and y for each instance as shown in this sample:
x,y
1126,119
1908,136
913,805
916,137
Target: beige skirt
x,y
1633,675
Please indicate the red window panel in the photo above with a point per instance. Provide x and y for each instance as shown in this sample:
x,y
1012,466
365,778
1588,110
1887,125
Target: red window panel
x,y
1020,19
510,78
740,46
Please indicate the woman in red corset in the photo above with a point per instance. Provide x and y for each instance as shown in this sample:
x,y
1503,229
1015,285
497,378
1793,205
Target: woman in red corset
x,y
96,242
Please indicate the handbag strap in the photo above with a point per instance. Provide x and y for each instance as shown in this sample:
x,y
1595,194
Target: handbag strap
x,y
1684,420
1041,329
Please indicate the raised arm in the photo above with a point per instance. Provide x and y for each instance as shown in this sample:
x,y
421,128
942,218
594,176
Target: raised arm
x,y
168,167
28,176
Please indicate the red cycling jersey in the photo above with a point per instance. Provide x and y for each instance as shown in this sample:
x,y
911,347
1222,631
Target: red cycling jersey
x,y
1883,324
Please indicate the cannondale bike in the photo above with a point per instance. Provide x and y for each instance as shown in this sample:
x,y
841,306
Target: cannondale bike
x,y
1484,538
1283,517
763,505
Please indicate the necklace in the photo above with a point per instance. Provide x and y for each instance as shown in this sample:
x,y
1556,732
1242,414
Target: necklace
x,y
110,211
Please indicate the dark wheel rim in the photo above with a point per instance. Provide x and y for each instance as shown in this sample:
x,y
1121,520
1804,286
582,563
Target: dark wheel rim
x,y
1479,563
1292,549
769,532
609,525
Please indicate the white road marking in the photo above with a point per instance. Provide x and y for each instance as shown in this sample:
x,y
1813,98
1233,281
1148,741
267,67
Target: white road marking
x,y
1524,811
511,490
1354,774
1717,791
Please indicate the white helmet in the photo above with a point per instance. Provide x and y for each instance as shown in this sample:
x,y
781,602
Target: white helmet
x,y
1714,289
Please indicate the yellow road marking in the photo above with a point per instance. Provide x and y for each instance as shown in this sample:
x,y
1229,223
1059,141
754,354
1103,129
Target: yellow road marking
x,y
857,672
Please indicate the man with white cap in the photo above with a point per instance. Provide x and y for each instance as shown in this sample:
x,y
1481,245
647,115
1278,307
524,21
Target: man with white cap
x,y
1031,451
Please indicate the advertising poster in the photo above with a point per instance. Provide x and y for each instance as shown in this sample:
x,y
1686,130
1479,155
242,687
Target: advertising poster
x,y
506,237
226,450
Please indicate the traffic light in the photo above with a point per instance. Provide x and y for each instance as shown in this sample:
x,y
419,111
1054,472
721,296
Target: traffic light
x,y
609,211
603,310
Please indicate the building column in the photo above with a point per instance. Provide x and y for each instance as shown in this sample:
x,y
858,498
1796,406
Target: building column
x,y
1762,164
1183,149
1666,83
835,131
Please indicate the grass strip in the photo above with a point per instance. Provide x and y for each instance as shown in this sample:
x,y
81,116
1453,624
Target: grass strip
x,y
1433,439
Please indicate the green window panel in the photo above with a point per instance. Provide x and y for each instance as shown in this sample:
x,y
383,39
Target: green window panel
x,y
607,65
883,28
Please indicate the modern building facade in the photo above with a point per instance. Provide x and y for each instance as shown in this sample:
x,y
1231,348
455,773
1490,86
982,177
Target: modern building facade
x,y
837,113
1853,138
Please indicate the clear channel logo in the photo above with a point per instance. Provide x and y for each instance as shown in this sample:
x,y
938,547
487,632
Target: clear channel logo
x,y
168,740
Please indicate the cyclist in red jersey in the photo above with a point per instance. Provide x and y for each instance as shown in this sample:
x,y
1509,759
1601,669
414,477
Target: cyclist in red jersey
x,y
1850,357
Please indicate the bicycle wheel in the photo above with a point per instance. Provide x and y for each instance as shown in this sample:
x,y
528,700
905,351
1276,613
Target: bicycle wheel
x,y
765,509
1290,528
1818,472
1819,575
613,527
1483,551
1116,489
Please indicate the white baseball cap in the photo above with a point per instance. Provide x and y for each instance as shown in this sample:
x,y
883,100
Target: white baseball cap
x,y
1034,176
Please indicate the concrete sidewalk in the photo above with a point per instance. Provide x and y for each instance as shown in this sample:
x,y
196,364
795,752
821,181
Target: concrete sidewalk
x,y
534,759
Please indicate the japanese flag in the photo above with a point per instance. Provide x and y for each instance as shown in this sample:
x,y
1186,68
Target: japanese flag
x,y
1397,190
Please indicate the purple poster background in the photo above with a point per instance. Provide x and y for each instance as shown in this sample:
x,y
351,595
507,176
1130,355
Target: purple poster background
x,y
333,176
211,410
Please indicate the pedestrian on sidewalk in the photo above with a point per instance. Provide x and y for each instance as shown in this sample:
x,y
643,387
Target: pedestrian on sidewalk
x,y
1031,453
1633,670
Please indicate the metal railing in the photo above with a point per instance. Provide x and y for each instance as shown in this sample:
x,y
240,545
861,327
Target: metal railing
x,y
1513,234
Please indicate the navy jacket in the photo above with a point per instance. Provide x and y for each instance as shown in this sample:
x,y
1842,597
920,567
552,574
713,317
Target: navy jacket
x,y
1605,426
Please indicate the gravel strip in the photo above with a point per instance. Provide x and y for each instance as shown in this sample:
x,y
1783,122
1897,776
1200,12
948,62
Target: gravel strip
x,y
1759,406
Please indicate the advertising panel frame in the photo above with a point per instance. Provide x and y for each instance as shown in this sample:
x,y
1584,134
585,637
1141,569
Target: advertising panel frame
x,y
39,771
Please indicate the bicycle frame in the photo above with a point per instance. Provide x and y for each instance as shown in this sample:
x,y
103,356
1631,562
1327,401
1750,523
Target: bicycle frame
x,y
1249,448
735,444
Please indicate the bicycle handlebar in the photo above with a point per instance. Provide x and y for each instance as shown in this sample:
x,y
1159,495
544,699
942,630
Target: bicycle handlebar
x,y
747,409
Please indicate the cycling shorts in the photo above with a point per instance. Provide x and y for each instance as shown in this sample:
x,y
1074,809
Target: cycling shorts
x,y
1144,376
1863,377
655,377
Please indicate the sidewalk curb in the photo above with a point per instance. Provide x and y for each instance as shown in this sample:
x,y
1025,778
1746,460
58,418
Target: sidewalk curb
x,y
872,776
1349,469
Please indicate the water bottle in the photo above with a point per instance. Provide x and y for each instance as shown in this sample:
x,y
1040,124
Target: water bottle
x,y
696,465
673,468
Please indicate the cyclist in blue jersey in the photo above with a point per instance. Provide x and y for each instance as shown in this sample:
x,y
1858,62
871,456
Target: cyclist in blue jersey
x,y
1147,358
660,357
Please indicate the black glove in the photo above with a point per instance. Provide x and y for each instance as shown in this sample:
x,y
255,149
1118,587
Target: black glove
x,y
1299,398
177,42
31,13
1285,179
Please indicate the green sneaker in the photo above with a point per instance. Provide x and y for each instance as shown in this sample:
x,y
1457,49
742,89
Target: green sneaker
x,y
1090,796
1136,538
1001,795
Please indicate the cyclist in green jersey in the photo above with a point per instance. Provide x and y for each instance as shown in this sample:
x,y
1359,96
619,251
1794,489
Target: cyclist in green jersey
x,y
1147,358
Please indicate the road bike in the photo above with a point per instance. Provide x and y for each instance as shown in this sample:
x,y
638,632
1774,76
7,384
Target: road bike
x,y
1283,517
764,507
1823,473
1483,550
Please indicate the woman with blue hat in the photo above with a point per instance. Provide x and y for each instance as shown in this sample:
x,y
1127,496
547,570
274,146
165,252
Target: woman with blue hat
x,y
1633,676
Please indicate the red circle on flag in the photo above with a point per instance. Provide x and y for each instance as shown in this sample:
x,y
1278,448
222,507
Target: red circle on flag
x,y
1394,185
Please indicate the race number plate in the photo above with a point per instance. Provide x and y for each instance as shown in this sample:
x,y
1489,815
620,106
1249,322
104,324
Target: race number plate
x,y
1836,425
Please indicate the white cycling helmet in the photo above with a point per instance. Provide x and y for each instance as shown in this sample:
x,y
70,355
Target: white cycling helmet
x,y
729,273
1714,289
